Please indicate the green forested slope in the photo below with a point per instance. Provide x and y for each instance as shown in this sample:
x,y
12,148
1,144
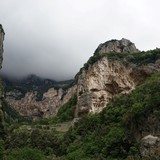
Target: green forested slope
x,y
112,133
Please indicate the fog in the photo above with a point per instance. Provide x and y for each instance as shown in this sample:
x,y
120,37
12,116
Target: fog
x,y
54,38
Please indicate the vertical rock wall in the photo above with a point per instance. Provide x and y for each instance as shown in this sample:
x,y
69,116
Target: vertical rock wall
x,y
1,86
1,44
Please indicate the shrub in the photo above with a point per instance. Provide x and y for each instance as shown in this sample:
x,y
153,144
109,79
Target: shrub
x,y
1,149
26,154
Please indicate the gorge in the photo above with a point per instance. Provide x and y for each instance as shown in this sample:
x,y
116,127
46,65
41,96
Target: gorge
x,y
104,76
112,108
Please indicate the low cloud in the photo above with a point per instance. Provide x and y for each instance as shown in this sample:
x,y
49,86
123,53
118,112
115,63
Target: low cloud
x,y
54,38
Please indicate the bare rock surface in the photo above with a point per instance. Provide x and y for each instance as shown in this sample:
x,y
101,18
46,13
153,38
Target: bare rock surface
x,y
95,86
30,108
150,146
1,44
118,46
107,78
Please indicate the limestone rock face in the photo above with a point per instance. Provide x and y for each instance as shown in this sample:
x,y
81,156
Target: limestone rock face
x,y
106,78
96,85
1,86
150,146
118,46
1,44
32,109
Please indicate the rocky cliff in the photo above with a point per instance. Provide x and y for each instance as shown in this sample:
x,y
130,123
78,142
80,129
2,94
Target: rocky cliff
x,y
29,107
118,46
115,71
1,86
128,128
1,44
116,67
113,80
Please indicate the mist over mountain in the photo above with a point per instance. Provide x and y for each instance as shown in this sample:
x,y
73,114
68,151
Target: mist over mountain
x,y
33,79
53,39
61,98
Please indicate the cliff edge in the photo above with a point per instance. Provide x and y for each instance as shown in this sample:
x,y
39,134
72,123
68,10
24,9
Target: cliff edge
x,y
116,67
1,44
1,86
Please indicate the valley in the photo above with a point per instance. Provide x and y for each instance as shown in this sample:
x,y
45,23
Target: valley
x,y
109,111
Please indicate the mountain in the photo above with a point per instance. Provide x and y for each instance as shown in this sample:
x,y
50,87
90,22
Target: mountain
x,y
116,68
128,128
113,72
1,44
109,111
34,97
1,84
121,91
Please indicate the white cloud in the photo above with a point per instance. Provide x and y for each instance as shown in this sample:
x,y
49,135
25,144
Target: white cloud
x,y
53,38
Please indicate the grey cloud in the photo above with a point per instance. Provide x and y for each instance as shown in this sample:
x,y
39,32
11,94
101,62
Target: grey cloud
x,y
54,38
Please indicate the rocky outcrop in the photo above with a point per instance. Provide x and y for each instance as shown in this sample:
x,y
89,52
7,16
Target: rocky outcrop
x,y
97,83
106,78
1,44
1,86
30,108
102,81
150,146
118,46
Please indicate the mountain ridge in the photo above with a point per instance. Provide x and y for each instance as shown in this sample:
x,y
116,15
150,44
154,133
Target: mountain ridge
x,y
104,76
115,100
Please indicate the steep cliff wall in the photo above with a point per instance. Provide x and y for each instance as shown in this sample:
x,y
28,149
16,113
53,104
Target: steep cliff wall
x,y
117,67
1,86
118,46
102,81
128,128
1,44
30,108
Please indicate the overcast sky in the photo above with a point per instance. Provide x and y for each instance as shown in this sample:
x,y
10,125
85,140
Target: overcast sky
x,y
54,38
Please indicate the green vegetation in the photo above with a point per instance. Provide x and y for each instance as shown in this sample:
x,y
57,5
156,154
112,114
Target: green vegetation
x,y
111,134
45,135
22,140
2,131
42,139
11,115
1,149
141,58
65,113
26,154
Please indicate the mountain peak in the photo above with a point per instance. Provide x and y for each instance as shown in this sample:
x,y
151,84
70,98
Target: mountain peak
x,y
119,46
